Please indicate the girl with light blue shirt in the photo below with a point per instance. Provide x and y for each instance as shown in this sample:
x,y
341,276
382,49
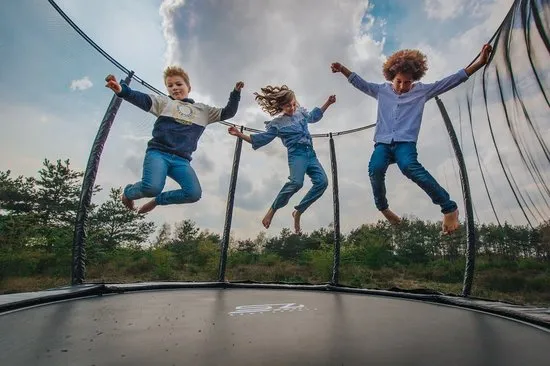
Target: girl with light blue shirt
x,y
400,108
291,126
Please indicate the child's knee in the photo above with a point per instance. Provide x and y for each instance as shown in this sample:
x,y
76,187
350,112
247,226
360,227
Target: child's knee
x,y
195,194
377,169
296,185
151,190
410,168
322,183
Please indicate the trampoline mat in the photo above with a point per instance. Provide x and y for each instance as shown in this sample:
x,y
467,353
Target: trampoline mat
x,y
263,327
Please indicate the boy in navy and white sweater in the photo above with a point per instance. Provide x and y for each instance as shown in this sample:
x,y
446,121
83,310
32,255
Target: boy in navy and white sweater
x,y
179,125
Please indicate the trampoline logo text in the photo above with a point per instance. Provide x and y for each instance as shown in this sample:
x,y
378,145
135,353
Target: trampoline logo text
x,y
267,308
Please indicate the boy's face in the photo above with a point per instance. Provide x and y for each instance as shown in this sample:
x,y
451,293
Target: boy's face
x,y
177,88
402,83
289,108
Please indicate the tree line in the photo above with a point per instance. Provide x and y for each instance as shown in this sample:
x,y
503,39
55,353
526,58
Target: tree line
x,y
38,214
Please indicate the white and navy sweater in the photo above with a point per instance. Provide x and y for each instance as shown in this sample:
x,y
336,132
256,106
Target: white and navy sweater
x,y
180,123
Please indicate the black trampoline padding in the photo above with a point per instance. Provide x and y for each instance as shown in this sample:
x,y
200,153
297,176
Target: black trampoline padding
x,y
263,327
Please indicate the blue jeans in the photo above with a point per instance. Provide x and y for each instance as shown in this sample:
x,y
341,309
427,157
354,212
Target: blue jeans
x,y
406,157
302,160
157,165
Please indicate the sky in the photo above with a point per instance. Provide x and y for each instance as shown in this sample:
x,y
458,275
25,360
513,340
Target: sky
x,y
52,95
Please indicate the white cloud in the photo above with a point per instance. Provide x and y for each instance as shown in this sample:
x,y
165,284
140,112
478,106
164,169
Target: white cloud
x,y
166,11
443,9
81,84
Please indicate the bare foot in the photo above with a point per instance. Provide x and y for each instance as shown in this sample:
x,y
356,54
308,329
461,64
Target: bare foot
x,y
149,206
450,222
391,217
266,221
127,202
296,214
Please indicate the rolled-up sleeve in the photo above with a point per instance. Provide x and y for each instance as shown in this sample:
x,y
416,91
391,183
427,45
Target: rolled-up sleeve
x,y
315,115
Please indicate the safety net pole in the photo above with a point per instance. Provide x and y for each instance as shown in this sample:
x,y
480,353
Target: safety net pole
x,y
336,209
229,209
470,228
88,182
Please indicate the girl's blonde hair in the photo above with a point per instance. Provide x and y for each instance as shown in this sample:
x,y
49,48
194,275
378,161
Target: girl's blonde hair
x,y
272,98
411,62
177,71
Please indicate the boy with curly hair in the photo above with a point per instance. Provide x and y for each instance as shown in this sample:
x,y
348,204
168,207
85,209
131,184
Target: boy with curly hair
x,y
400,106
177,130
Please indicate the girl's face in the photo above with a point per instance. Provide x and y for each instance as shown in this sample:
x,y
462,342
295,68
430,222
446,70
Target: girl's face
x,y
290,108
402,83
177,88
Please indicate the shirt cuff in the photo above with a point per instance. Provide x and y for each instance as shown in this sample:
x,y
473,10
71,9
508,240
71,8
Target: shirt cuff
x,y
125,90
352,76
254,142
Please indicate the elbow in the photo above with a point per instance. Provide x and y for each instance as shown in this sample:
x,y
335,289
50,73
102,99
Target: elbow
x,y
227,114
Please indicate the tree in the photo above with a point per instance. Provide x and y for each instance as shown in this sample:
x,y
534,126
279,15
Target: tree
x,y
544,246
58,193
16,195
163,237
18,223
206,235
246,246
114,225
186,232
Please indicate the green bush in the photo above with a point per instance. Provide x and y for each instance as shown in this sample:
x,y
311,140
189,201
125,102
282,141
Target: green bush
x,y
374,256
320,263
269,259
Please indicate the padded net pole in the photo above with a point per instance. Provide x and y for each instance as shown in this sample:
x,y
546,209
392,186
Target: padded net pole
x,y
229,209
336,209
470,228
88,182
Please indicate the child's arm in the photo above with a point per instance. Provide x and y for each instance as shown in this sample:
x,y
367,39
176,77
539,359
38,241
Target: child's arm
x,y
317,113
257,140
331,100
452,81
234,131
230,110
481,61
366,87
139,99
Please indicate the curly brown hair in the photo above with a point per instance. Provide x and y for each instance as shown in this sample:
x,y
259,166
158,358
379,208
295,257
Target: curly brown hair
x,y
177,71
272,98
407,61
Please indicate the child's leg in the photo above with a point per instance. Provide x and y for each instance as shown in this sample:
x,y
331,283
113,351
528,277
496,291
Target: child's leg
x,y
407,160
320,183
155,168
181,171
381,158
297,163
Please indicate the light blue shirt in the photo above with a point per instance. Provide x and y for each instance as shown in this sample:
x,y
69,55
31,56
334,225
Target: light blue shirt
x,y
292,130
399,116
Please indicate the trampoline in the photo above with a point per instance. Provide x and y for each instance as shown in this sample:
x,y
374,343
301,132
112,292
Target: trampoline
x,y
232,324
228,323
